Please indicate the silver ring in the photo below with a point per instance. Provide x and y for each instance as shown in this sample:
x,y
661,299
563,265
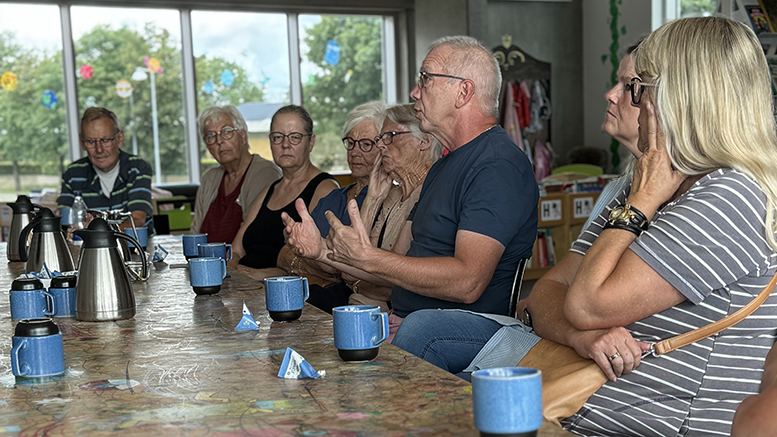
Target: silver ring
x,y
614,356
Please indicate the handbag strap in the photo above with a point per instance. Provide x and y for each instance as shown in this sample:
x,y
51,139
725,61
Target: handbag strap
x,y
670,344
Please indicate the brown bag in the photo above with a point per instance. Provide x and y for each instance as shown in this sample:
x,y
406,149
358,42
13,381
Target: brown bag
x,y
568,379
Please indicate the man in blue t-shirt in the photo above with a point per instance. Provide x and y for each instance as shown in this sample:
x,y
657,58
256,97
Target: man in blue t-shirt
x,y
477,214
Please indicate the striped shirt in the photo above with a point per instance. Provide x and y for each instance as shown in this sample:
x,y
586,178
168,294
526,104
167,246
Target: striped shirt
x,y
131,191
709,244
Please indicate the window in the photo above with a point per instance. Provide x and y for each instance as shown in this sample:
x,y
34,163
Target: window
x,y
33,130
129,61
242,59
341,69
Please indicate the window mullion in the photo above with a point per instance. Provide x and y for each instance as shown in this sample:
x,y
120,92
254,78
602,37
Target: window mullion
x,y
71,91
294,60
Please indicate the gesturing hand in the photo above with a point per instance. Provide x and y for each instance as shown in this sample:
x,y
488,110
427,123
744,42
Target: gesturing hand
x,y
380,181
348,244
303,237
614,350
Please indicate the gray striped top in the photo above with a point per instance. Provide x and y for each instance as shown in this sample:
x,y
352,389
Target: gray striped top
x,y
709,244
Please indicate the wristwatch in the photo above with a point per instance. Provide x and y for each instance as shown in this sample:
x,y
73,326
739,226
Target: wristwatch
x,y
526,317
627,217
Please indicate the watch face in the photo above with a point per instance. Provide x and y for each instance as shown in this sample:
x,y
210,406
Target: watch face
x,y
526,317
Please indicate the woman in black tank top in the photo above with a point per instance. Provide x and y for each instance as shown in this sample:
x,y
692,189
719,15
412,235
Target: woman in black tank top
x,y
260,238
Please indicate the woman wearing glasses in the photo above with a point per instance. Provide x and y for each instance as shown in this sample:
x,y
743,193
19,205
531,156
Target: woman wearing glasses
x,y
260,238
227,192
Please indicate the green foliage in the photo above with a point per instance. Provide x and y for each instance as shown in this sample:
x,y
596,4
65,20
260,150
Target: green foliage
x,y
697,8
337,89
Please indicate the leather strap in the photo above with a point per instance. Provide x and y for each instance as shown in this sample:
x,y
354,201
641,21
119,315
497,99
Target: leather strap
x,y
670,344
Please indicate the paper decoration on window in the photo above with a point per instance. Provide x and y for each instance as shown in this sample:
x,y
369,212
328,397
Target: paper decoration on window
x,y
207,88
9,81
90,102
153,65
227,78
332,53
265,79
348,75
123,88
86,71
49,99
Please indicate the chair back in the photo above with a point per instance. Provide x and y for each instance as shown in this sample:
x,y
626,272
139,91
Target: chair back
x,y
515,295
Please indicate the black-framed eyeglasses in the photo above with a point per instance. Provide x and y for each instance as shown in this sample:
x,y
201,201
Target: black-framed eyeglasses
x,y
226,133
423,78
294,138
365,144
105,143
388,137
637,88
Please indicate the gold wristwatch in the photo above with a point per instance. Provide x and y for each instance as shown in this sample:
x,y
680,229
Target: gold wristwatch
x,y
627,217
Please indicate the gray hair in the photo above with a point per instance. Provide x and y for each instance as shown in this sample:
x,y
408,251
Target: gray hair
x,y
215,112
470,60
300,112
404,115
96,113
373,111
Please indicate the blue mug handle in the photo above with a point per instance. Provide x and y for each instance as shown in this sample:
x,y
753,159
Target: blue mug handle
x,y
384,327
223,269
49,311
307,291
228,249
15,359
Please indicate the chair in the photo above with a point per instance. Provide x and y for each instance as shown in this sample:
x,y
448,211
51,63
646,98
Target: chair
x,y
515,295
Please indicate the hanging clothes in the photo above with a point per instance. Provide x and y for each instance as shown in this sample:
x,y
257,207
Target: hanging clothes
x,y
522,102
540,107
510,121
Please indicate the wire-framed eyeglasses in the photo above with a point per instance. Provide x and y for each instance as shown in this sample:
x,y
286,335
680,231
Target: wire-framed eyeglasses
x,y
226,133
365,144
423,78
105,143
294,138
637,88
388,137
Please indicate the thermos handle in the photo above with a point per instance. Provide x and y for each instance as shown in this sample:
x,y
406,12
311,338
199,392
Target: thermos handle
x,y
307,291
23,238
384,327
144,270
49,311
15,359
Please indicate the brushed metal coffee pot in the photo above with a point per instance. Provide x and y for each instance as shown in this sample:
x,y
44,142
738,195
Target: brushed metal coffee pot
x,y
48,244
23,210
103,288
114,218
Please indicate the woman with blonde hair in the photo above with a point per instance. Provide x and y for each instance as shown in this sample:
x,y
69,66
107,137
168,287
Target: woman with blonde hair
x,y
690,242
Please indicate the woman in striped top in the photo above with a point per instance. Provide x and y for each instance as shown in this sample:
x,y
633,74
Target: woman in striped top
x,y
691,240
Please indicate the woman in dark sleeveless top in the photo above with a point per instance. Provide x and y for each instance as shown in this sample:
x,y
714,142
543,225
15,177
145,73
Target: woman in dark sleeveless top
x,y
260,238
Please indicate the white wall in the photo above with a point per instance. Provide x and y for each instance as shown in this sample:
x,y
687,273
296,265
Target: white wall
x,y
635,16
435,19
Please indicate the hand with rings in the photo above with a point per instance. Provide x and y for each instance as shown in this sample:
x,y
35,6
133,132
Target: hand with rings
x,y
606,346
614,356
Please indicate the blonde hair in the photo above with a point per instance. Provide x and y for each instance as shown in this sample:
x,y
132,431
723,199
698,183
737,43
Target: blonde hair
x,y
713,99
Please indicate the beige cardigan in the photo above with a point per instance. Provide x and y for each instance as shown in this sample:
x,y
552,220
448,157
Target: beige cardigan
x,y
260,174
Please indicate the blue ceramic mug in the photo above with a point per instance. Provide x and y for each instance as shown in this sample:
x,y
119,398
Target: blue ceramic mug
x,y
507,400
206,274
37,349
215,250
63,293
285,297
359,330
190,243
142,236
30,300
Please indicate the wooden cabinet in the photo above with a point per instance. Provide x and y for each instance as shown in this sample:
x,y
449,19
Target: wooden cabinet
x,y
561,217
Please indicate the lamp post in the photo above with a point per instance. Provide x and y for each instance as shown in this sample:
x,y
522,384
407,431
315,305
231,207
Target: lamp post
x,y
142,74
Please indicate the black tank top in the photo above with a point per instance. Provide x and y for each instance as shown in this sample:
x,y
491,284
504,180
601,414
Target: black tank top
x,y
263,239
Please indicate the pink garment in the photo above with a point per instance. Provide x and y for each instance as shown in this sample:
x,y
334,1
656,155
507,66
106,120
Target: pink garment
x,y
510,122
394,322
522,100
541,161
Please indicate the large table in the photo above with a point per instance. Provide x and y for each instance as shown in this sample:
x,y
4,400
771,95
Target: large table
x,y
179,367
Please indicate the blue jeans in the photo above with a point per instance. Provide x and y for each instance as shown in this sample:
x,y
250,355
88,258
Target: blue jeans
x,y
448,339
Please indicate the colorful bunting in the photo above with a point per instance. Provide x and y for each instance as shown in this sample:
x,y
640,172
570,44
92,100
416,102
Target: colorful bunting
x,y
9,81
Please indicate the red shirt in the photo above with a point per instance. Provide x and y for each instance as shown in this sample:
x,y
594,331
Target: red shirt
x,y
224,216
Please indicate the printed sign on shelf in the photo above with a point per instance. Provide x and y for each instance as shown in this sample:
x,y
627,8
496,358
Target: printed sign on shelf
x,y
582,207
550,210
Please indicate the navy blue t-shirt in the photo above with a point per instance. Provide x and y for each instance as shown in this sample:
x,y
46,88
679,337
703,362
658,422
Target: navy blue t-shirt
x,y
486,186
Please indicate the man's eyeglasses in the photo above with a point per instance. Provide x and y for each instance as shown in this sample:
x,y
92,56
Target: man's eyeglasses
x,y
423,78
105,143
226,133
365,144
388,137
637,88
294,138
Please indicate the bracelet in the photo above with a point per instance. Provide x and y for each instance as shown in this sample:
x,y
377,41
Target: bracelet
x,y
291,267
624,226
355,286
628,218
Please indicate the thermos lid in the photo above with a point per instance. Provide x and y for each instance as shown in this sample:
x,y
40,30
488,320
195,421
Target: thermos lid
x,y
48,222
99,234
22,284
35,328
23,205
64,281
